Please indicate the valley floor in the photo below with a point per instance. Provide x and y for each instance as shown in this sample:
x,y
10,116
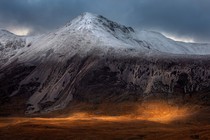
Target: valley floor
x,y
150,125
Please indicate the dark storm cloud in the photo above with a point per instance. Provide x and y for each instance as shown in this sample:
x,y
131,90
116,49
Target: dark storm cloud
x,y
183,18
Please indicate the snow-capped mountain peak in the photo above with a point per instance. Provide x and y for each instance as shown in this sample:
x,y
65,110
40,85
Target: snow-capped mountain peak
x,y
100,29
106,31
99,26
93,21
89,32
54,68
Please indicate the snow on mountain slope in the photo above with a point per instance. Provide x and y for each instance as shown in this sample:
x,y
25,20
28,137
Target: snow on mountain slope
x,y
84,34
10,45
6,36
159,42
89,32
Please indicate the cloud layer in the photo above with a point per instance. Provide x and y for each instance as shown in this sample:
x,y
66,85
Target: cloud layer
x,y
181,18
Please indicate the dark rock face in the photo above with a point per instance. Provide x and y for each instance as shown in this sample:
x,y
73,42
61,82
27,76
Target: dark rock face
x,y
136,79
10,79
94,79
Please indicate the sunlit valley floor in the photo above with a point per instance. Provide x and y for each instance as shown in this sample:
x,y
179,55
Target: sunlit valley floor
x,y
152,120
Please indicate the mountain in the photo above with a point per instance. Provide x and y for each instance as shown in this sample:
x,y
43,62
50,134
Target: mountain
x,y
9,45
93,59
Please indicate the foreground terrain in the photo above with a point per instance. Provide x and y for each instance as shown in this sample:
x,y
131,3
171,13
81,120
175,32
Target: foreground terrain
x,y
149,121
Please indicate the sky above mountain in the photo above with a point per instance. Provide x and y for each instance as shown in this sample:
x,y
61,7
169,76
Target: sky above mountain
x,y
187,20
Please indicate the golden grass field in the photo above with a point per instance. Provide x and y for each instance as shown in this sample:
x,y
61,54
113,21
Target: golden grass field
x,y
150,121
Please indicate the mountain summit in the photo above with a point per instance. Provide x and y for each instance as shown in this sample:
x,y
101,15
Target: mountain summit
x,y
88,21
93,59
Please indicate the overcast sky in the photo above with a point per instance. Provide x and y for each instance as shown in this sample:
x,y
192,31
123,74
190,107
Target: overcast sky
x,y
188,19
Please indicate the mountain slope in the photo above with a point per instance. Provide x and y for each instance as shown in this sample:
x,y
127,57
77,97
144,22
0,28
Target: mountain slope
x,y
159,42
93,59
9,45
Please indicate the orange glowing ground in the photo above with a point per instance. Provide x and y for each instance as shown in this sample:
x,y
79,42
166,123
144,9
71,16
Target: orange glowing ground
x,y
154,120
155,112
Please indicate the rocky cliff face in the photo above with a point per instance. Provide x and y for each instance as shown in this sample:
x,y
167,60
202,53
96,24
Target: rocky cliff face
x,y
95,60
143,78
